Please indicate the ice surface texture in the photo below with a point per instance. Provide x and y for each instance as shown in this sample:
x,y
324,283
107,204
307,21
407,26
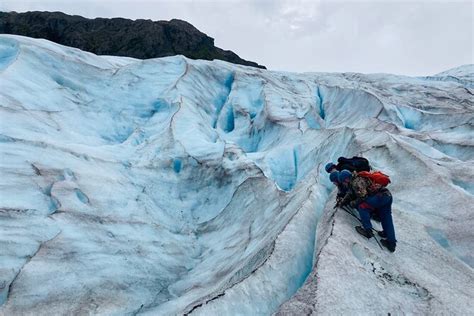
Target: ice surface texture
x,y
171,186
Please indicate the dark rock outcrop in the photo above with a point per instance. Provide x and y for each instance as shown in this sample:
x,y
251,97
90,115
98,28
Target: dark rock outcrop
x,y
119,37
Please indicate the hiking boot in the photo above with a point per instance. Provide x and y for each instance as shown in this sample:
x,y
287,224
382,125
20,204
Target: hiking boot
x,y
390,245
363,232
382,234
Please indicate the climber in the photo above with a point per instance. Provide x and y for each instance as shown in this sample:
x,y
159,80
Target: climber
x,y
344,187
334,177
368,196
344,180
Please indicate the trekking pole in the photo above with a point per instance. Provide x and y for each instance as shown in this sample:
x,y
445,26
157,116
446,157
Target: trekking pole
x,y
378,243
349,211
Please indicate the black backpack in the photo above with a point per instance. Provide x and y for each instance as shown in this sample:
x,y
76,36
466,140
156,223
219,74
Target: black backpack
x,y
353,164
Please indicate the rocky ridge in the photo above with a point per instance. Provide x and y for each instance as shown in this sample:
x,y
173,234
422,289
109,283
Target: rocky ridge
x,y
141,39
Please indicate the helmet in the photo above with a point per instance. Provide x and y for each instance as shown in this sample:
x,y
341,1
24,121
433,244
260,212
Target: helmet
x,y
334,176
329,166
344,175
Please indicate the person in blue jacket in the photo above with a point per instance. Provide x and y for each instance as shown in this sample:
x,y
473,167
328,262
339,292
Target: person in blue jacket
x,y
341,190
367,199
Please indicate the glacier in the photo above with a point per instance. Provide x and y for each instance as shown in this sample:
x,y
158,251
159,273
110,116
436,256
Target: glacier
x,y
174,186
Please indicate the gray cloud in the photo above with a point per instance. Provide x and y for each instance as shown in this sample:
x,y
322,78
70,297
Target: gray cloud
x,y
409,37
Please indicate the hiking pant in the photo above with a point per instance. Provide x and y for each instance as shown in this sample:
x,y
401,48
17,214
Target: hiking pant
x,y
380,202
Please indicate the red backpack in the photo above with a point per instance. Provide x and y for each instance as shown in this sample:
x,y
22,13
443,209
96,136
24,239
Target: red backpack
x,y
376,177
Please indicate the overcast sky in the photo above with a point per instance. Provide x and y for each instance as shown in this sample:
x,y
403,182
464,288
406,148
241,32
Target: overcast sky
x,y
403,37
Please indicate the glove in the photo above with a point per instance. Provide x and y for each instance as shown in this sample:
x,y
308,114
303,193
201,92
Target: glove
x,y
355,203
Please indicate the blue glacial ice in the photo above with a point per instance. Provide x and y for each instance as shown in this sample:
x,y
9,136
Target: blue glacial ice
x,y
171,186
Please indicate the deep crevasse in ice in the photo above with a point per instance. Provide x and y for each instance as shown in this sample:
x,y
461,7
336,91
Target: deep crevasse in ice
x,y
170,186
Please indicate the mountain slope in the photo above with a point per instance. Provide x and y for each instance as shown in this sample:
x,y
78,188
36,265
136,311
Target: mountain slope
x,y
118,37
171,186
